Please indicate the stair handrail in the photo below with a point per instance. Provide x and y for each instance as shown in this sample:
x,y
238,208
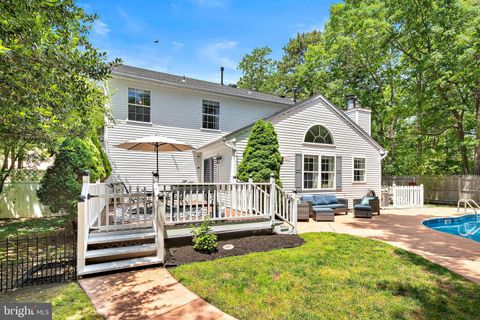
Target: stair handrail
x,y
277,194
468,202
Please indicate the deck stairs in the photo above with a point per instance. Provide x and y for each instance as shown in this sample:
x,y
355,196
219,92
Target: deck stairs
x,y
115,250
281,227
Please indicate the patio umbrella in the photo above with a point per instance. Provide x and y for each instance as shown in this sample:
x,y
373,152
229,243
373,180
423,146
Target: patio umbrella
x,y
155,144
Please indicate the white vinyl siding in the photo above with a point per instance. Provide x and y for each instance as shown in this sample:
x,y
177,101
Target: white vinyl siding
x,y
291,128
175,114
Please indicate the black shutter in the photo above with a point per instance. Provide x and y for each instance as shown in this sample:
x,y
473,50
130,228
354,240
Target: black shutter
x,y
298,172
338,168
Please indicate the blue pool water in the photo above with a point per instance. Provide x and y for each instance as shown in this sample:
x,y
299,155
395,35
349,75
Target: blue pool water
x,y
467,226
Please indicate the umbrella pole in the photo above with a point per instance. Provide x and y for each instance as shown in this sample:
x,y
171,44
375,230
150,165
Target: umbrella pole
x,y
158,173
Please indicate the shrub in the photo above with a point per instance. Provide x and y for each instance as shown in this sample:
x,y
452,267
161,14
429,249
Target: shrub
x,y
61,186
261,156
103,157
203,240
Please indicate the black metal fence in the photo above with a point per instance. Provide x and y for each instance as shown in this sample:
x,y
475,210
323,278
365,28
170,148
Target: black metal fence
x,y
37,259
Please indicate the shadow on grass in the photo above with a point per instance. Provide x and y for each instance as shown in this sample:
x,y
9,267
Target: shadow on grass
x,y
450,294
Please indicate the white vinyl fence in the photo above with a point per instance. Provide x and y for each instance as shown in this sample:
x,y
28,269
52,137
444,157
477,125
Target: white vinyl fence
x,y
407,196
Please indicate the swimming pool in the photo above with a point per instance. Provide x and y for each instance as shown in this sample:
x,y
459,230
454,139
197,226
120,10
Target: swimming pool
x,y
467,226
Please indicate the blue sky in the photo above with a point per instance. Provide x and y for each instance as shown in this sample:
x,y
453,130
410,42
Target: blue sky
x,y
196,37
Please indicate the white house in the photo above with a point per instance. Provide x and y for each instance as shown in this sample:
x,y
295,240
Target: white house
x,y
324,149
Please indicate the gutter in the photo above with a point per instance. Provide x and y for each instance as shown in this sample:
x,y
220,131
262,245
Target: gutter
x,y
384,155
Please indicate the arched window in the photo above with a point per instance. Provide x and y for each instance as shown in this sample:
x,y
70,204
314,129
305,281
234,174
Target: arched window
x,y
319,134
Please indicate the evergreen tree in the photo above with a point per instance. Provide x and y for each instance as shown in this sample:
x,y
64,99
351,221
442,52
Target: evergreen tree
x,y
261,156
60,187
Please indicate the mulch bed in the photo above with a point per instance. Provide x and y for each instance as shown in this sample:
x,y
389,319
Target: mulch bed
x,y
186,254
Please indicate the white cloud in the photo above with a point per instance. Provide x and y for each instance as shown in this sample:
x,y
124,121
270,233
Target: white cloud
x,y
215,53
130,23
100,28
142,56
177,45
310,26
211,3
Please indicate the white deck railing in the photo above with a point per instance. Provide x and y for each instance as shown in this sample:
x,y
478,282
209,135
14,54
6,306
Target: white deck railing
x,y
194,202
286,207
104,207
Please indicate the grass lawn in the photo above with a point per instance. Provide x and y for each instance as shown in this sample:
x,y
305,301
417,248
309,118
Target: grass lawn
x,y
68,300
32,225
333,276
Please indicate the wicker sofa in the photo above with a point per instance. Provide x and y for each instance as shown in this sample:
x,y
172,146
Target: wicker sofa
x,y
366,211
308,203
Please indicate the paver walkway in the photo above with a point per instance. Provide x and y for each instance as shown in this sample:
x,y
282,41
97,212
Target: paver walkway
x,y
147,294
403,228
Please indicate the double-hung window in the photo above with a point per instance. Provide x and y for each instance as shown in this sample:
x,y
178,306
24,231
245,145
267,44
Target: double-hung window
x,y
327,180
359,169
138,105
210,115
318,172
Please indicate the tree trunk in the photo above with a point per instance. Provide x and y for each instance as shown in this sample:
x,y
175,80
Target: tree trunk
x,y
461,139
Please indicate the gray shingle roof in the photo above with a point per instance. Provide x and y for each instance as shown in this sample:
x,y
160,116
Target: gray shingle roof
x,y
189,83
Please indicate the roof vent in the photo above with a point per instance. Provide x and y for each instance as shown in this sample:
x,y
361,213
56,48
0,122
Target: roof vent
x,y
221,75
233,85
184,79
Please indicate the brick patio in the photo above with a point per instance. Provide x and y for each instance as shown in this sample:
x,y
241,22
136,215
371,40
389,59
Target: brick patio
x,y
403,228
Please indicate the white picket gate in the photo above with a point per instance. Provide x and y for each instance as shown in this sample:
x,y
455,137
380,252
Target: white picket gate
x,y
407,196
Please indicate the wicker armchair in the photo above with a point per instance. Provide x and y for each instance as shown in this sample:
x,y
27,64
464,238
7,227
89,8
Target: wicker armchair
x,y
366,211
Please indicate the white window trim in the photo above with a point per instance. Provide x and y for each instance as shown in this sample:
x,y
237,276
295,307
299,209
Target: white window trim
x,y
140,105
218,116
319,188
314,144
353,170
317,143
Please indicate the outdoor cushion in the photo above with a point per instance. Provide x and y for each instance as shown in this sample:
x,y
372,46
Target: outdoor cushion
x,y
362,207
334,206
331,199
365,200
307,197
319,200
322,209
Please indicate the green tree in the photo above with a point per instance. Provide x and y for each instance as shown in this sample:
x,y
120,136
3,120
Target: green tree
x,y
415,64
261,156
49,77
294,58
258,71
60,186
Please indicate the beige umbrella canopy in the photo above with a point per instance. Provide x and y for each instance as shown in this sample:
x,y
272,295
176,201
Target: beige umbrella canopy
x,y
155,144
